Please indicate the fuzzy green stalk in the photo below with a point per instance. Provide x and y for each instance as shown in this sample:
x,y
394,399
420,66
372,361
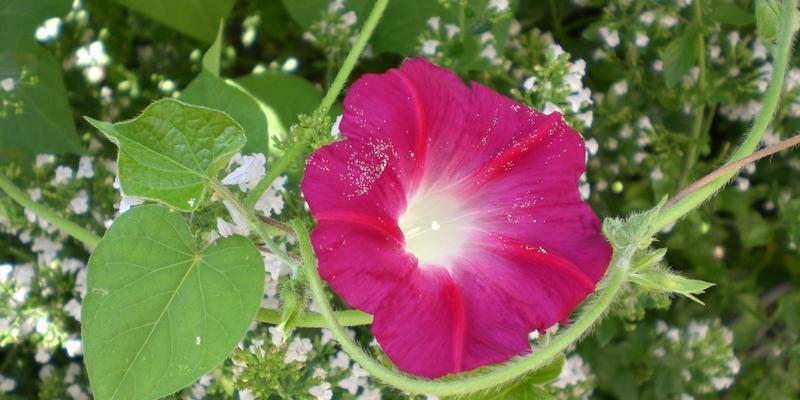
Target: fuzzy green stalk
x,y
254,223
458,384
787,28
315,320
90,239
350,61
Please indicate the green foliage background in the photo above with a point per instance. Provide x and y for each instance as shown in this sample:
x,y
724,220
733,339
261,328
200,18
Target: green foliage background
x,y
673,86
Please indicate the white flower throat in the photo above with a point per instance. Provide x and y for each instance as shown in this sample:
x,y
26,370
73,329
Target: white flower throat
x,y
436,227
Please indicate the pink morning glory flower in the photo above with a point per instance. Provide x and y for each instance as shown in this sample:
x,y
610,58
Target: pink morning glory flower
x,y
452,214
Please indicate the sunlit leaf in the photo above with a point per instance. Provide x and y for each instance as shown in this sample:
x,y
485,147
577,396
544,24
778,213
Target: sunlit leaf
x,y
171,151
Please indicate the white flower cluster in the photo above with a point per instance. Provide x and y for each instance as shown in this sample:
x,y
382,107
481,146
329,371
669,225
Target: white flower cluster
x,y
576,380
94,60
249,171
549,80
708,364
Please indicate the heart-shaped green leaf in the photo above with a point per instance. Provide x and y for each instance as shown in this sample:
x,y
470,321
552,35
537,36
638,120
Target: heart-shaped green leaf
x,y
210,90
159,313
171,151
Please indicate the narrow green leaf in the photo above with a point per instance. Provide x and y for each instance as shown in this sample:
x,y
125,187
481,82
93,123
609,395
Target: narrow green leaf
x,y
767,18
211,59
663,281
647,259
159,312
171,151
680,56
196,18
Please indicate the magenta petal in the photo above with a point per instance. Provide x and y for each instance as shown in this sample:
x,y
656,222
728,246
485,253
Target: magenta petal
x,y
422,331
453,216
366,277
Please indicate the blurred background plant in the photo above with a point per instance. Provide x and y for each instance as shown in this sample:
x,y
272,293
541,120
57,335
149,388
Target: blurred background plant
x,y
661,91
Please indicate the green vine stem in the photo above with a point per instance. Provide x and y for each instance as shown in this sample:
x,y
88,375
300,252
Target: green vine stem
x,y
733,166
315,320
787,28
90,239
469,382
255,224
350,61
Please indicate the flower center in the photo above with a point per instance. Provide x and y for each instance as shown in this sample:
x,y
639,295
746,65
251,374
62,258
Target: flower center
x,y
436,227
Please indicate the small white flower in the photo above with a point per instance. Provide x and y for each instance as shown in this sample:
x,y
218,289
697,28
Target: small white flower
x,y
340,361
7,384
74,347
42,356
592,146
429,47
669,21
298,350
557,51
486,37
271,202
322,391
550,108
94,74
249,173
498,5
585,117
433,22
620,88
8,84
574,371
63,175
611,37
759,50
335,6
49,30
529,83
335,127
452,30
641,39
290,65
349,18
80,204
73,309
647,17
85,168
733,38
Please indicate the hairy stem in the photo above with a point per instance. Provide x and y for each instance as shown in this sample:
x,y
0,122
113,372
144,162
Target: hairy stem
x,y
733,166
461,384
352,56
769,106
90,239
253,221
315,320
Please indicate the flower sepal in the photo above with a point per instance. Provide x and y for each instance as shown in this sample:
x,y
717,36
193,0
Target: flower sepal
x,y
663,280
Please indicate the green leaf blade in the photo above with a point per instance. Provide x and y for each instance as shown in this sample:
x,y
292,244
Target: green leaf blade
x,y
196,18
171,151
159,313
679,56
